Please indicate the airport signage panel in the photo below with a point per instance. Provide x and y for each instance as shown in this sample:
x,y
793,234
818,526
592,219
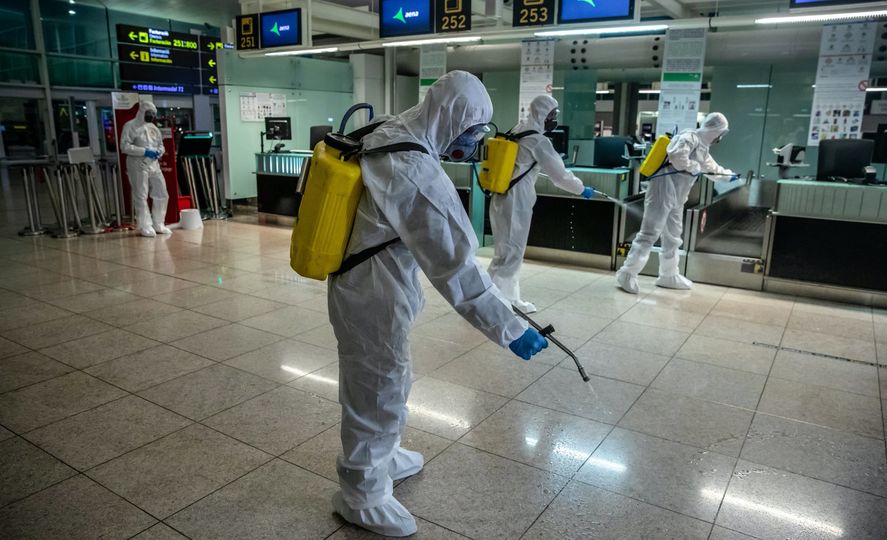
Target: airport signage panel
x,y
247,32
406,18
281,28
452,16
533,12
585,11
139,35
157,56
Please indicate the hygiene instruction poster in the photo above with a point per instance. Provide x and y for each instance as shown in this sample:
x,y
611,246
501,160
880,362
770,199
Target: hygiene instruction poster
x,y
432,66
681,83
536,72
845,59
255,106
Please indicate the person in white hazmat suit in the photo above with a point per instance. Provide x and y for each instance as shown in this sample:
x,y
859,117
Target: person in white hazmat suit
x,y
667,192
512,212
411,208
142,143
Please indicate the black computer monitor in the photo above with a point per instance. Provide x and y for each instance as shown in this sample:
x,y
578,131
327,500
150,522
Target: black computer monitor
x,y
560,139
844,158
278,128
610,152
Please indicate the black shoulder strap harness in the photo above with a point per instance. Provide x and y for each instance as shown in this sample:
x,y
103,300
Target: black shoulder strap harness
x,y
355,259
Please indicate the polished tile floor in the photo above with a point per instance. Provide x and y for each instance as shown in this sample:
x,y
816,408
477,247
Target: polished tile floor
x,y
187,386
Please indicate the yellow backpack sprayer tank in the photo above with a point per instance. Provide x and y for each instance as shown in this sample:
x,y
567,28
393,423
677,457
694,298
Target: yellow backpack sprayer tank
x,y
656,157
330,187
497,167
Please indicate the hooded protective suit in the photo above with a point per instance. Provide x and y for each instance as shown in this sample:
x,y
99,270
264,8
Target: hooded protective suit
x,y
372,306
512,212
142,143
688,155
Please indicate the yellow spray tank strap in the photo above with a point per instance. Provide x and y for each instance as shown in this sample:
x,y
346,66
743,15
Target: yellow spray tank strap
x,y
657,157
497,168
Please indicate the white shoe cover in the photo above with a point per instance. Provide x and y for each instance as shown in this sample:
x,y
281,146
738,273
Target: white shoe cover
x,y
627,282
147,233
388,519
162,229
676,281
405,463
526,307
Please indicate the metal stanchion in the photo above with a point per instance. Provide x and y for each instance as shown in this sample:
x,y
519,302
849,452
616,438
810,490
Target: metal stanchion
x,y
64,231
83,172
53,195
32,203
71,192
220,208
117,182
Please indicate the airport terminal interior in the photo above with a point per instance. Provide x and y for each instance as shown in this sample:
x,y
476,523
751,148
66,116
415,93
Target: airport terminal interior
x,y
652,254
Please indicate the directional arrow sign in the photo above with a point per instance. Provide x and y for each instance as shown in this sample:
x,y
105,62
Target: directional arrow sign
x,y
212,79
133,36
212,63
211,46
133,55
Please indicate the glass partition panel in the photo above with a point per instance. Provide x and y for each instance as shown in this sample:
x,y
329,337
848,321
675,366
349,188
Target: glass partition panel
x,y
80,72
19,68
740,93
16,31
22,123
75,28
790,97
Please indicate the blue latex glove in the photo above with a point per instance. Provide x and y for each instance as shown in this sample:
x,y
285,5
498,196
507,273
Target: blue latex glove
x,y
530,343
588,192
734,178
153,154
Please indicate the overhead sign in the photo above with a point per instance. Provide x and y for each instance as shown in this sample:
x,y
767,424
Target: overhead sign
x,y
158,88
533,12
281,28
158,74
576,11
157,55
452,15
817,3
405,17
209,44
139,35
247,31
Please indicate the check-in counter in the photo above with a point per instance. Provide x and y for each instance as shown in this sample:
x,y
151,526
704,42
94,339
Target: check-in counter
x,y
828,234
726,235
277,175
569,229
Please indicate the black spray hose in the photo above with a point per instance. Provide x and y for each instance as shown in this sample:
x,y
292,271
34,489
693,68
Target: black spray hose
x,y
546,333
667,173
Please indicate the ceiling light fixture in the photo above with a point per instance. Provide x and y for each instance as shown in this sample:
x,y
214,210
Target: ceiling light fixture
x,y
432,41
789,19
754,86
303,51
649,91
604,30
876,89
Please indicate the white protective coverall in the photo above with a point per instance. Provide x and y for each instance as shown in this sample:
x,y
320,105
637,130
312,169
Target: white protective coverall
x,y
512,212
688,155
372,307
144,172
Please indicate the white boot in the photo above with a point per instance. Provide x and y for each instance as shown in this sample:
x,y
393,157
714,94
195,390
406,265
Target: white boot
x,y
525,307
627,281
387,519
162,229
675,281
405,463
147,232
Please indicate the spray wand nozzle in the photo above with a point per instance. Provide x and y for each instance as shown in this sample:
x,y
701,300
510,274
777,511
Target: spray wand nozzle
x,y
546,333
